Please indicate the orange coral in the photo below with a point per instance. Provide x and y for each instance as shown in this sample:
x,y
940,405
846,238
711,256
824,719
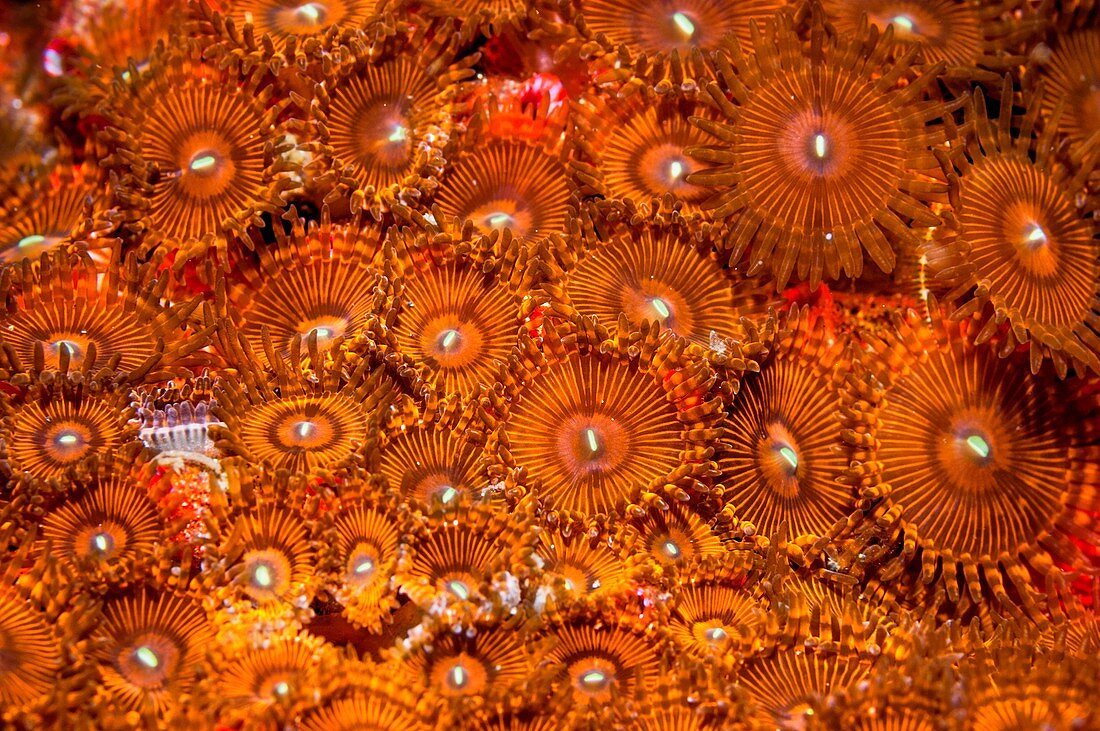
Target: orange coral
x,y
518,722
509,365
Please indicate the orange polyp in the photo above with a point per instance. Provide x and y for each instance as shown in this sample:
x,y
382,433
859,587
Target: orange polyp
x,y
526,365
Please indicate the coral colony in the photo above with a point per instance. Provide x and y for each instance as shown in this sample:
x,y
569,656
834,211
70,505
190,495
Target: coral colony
x,y
550,364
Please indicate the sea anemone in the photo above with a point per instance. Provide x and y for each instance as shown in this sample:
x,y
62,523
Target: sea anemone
x,y
539,720
31,651
275,681
663,28
368,528
978,41
455,315
1078,632
894,718
792,433
468,563
149,646
196,155
507,184
907,592
377,702
34,635
721,607
663,275
23,139
680,718
431,465
831,602
581,568
910,694
676,536
1031,712
285,19
602,431
109,37
1025,254
68,425
67,311
1070,80
786,686
598,668
820,154
810,593
107,529
265,548
987,486
712,704
485,17
463,677
381,119
298,421
52,208
1005,691
633,151
315,279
